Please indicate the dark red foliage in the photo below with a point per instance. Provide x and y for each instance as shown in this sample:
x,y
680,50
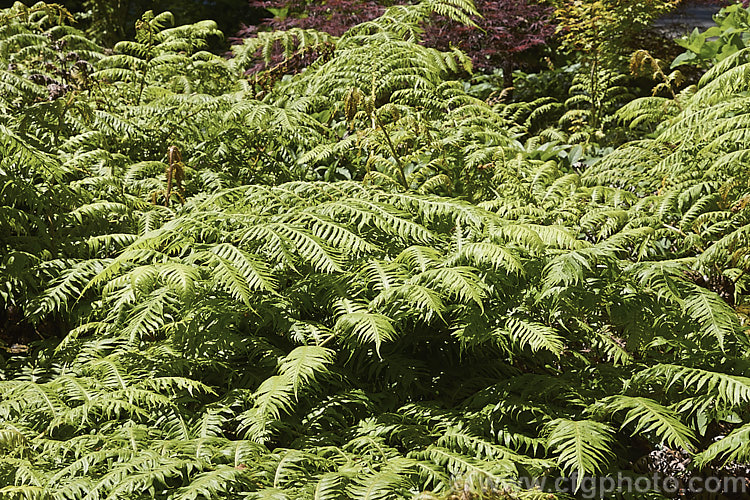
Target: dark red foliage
x,y
506,29
333,16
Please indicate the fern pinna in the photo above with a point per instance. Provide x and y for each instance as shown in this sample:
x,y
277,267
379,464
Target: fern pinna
x,y
318,319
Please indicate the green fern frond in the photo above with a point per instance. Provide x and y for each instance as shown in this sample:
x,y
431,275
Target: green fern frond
x,y
727,389
582,447
535,335
648,416
366,328
730,448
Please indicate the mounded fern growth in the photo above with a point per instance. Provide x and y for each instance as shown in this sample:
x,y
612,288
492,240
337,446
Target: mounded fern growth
x,y
315,321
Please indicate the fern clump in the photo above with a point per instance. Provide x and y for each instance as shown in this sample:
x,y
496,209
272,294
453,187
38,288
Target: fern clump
x,y
356,281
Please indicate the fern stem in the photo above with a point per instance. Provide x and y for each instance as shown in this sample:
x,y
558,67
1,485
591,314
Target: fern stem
x,y
393,150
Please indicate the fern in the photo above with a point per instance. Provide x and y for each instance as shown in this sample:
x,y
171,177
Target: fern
x,y
356,280
650,417
583,447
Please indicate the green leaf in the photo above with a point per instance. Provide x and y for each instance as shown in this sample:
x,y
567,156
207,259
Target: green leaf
x,y
366,328
305,363
582,446
652,418
535,335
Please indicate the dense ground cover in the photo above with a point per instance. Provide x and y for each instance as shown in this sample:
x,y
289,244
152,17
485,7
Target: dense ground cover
x,y
371,278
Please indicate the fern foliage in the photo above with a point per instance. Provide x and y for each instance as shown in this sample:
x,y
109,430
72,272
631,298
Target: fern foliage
x,y
356,281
